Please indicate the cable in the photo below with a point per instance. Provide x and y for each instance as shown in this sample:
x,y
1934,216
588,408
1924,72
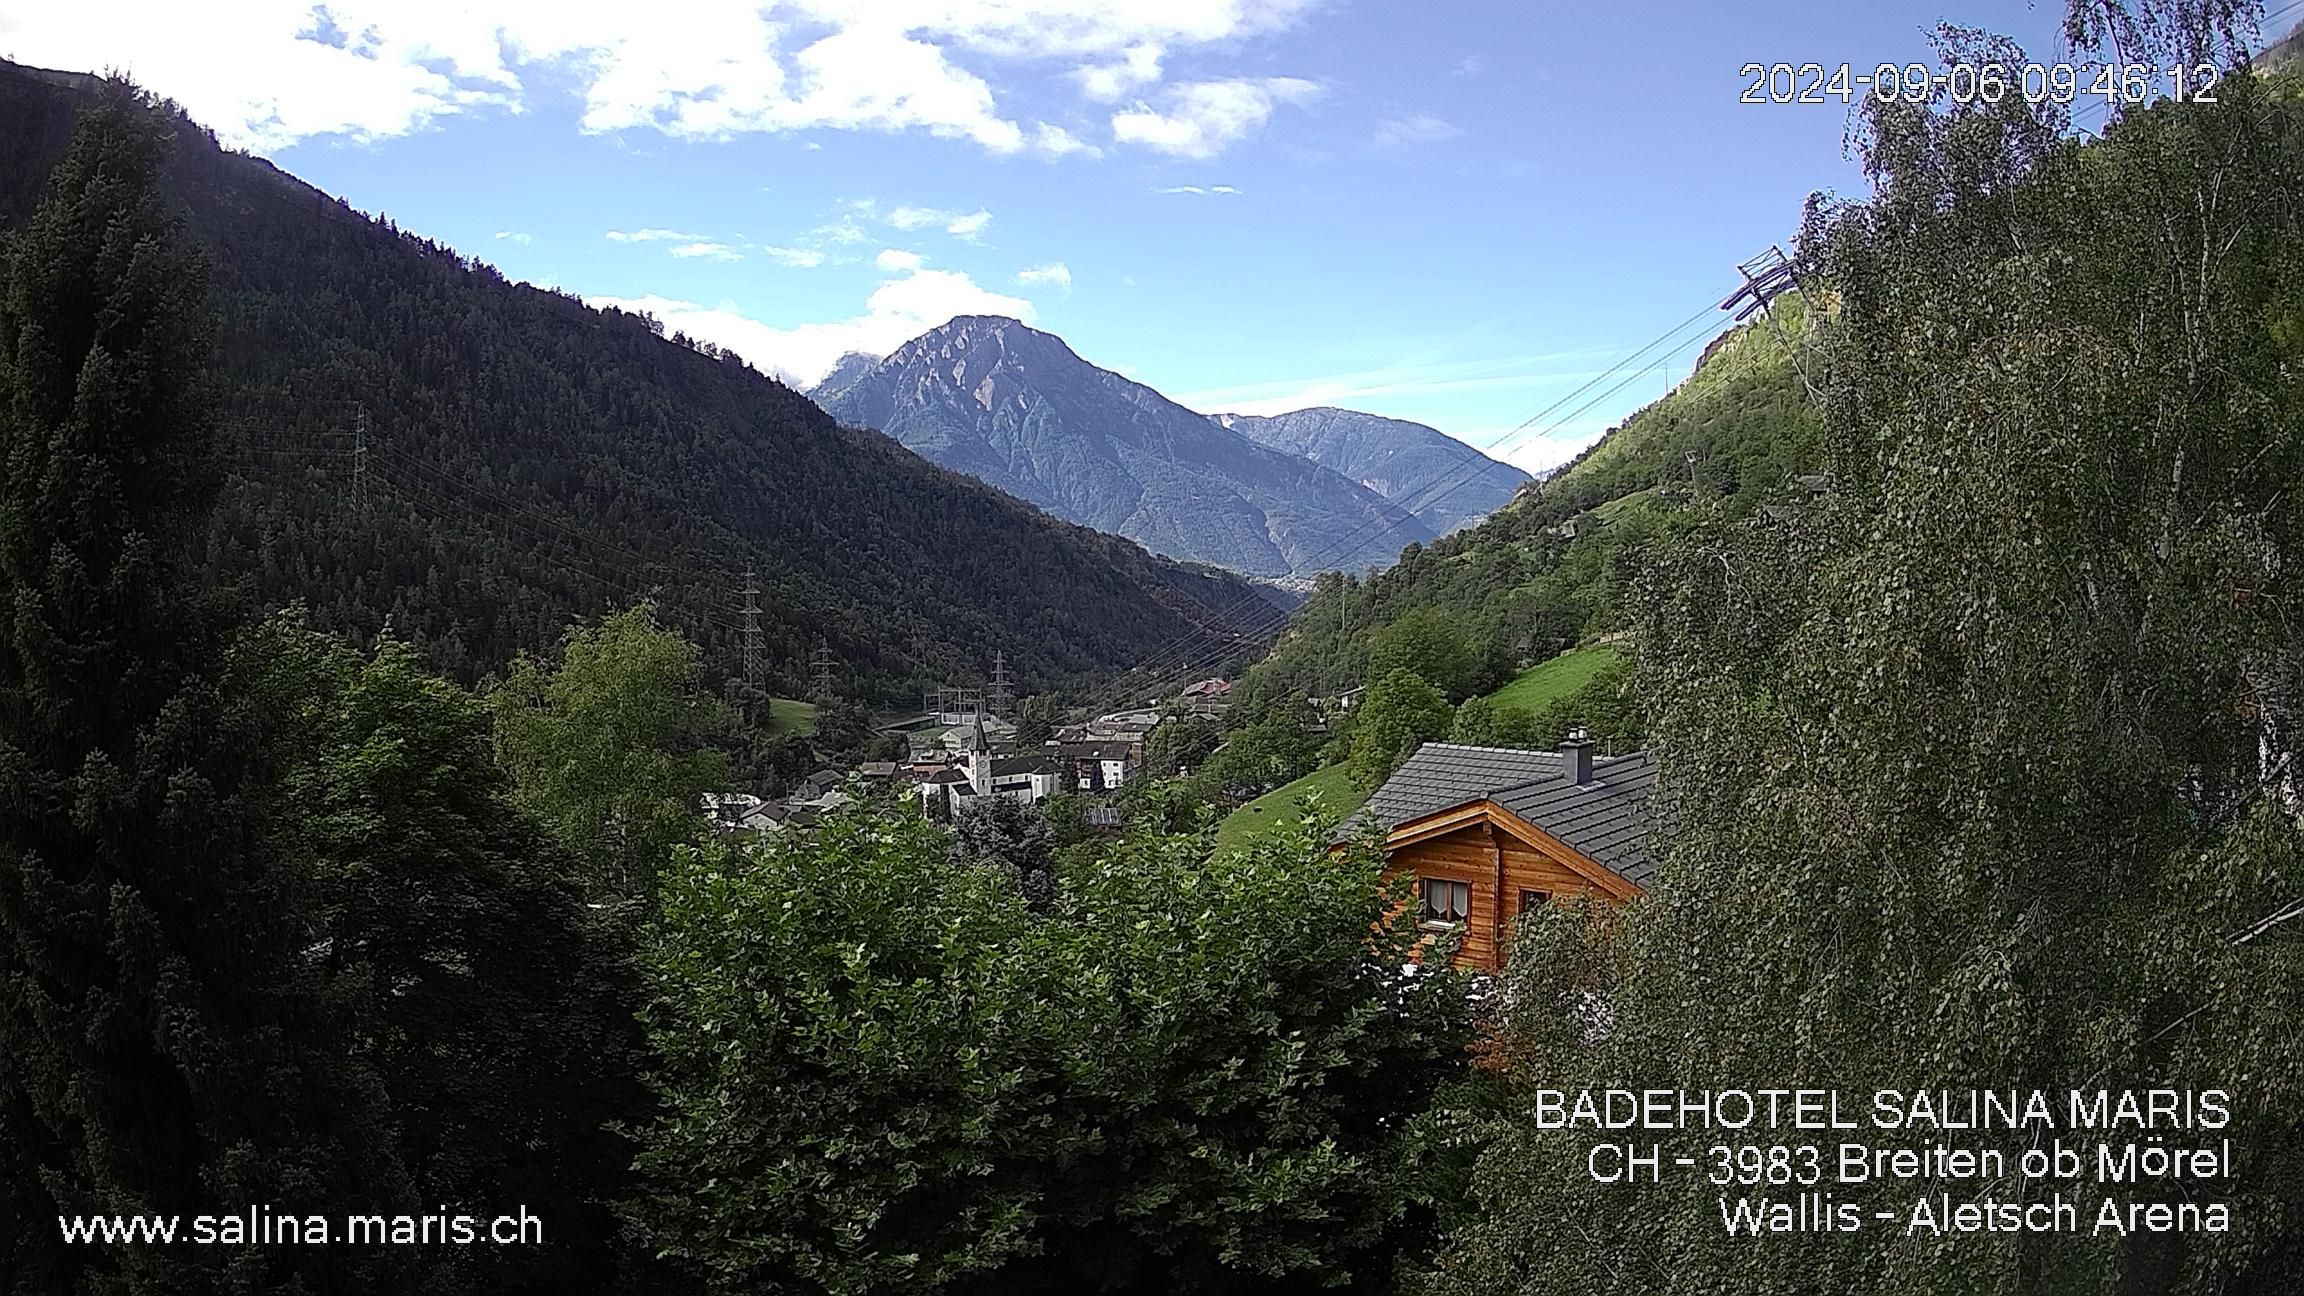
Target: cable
x,y
1277,618
1186,648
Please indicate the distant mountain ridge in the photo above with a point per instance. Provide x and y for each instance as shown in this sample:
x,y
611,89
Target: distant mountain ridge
x,y
1444,482
1017,408
528,460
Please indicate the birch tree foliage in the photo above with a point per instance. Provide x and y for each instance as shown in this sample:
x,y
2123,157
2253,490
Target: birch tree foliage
x,y
1981,766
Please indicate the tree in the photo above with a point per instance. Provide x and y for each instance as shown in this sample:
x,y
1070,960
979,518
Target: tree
x,y
1483,723
1980,766
457,956
1281,745
1400,713
1036,719
608,747
843,731
1179,744
165,1048
882,1071
1429,643
1005,835
1066,814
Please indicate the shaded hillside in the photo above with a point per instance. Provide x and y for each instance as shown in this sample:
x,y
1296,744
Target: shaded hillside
x,y
1015,407
527,459
1447,484
1549,570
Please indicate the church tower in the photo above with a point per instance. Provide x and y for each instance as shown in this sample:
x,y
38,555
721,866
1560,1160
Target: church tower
x,y
979,759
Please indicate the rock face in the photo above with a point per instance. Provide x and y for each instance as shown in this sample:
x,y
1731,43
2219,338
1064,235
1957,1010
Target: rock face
x,y
1014,407
1444,482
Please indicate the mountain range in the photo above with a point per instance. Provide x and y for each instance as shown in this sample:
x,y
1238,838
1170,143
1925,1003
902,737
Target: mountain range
x,y
416,443
1016,407
1444,482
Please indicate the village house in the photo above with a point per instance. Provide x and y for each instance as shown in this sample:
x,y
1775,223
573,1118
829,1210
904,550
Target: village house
x,y
1492,833
1097,765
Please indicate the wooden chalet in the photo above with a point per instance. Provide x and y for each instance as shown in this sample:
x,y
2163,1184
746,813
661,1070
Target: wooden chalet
x,y
1491,833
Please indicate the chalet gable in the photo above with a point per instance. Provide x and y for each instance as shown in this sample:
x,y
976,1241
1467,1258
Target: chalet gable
x,y
1491,833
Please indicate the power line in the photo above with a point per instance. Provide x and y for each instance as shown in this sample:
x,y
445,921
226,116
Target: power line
x,y
1276,618
1193,648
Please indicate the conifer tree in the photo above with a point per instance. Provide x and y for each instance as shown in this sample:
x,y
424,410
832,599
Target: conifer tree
x,y
163,1052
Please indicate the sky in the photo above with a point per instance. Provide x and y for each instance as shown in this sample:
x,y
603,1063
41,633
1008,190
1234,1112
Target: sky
x,y
1453,211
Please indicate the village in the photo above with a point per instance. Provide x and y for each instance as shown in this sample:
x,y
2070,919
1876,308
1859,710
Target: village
x,y
962,748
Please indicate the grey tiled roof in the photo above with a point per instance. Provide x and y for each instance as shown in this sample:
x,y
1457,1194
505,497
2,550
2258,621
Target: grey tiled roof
x,y
1607,819
1441,775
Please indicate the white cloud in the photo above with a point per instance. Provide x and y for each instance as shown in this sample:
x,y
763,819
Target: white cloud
x,y
1202,118
1137,67
1056,142
1218,190
896,260
899,310
653,236
797,258
268,73
1423,128
516,236
964,225
1055,272
707,250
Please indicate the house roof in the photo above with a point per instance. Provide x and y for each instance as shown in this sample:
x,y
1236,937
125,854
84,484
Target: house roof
x,y
1442,775
1112,749
1033,764
1607,819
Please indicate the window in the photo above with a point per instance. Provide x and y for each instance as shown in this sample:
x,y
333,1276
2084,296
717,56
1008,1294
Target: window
x,y
1445,903
1533,900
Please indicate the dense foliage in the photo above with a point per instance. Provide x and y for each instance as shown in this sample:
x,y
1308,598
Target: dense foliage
x,y
162,1044
608,746
459,957
883,1069
1401,713
1982,765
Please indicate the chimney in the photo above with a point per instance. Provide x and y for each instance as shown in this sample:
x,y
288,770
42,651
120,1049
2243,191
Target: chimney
x,y
1576,756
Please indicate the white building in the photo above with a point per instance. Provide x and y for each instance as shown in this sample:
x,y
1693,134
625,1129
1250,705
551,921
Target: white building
x,y
1030,779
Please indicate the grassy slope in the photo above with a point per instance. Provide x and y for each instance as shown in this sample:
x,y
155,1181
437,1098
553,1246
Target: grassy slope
x,y
1556,678
1524,576
1337,795
790,715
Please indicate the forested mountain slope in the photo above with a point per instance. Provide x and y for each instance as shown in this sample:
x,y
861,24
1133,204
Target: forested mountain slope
x,y
527,459
1444,482
1548,570
1016,407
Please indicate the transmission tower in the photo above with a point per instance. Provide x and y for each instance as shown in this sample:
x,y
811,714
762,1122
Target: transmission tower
x,y
1002,697
754,666
820,665
360,456
1766,277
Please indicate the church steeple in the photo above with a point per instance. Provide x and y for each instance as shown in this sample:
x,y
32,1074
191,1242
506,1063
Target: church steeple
x,y
979,758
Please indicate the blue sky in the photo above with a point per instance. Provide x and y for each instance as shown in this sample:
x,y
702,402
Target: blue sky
x,y
1454,211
